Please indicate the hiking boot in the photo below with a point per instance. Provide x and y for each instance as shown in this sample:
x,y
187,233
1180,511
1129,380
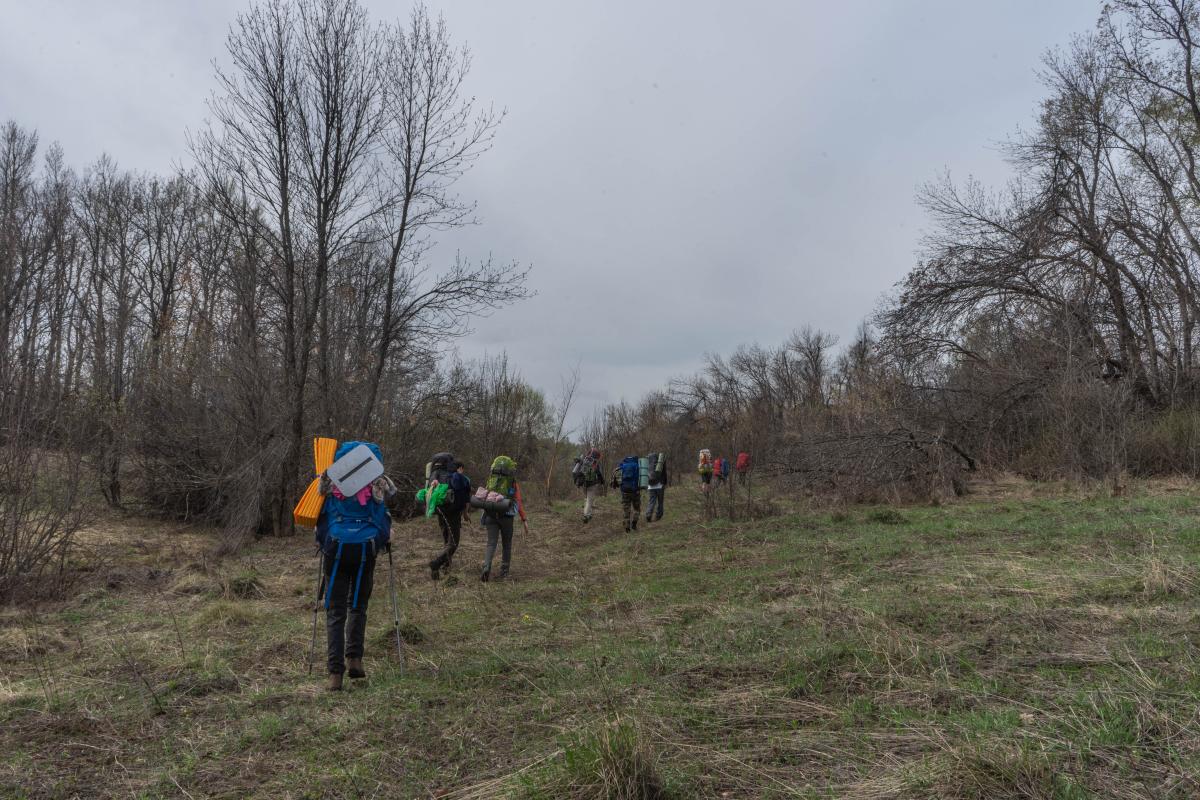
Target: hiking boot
x,y
503,572
586,520
335,682
354,667
627,526
635,524
434,570
483,576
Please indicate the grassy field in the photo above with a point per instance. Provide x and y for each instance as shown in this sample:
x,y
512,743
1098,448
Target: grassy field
x,y
1019,643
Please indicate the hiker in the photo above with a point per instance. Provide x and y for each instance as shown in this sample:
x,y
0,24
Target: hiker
x,y
705,468
627,478
743,467
351,531
449,516
720,470
657,486
589,476
501,502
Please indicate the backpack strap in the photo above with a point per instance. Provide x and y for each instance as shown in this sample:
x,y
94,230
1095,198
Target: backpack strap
x,y
358,581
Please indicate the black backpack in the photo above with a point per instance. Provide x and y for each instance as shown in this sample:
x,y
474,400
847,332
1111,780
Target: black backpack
x,y
658,468
587,469
438,469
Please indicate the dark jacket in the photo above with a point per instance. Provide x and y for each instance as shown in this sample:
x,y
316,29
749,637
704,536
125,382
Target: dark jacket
x,y
665,479
461,486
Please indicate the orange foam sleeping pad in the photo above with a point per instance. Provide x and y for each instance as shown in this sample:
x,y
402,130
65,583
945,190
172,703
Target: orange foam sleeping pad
x,y
308,509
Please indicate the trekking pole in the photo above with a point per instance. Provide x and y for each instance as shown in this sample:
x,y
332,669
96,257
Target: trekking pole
x,y
395,609
312,648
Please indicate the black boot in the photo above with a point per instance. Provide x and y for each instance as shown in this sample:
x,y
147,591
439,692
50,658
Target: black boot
x,y
487,573
434,570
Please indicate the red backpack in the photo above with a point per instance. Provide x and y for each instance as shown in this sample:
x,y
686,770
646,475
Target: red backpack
x,y
743,462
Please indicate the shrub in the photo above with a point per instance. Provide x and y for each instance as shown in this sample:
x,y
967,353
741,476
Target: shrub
x,y
40,513
613,764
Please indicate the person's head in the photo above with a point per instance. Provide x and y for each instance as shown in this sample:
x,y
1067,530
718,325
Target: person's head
x,y
456,466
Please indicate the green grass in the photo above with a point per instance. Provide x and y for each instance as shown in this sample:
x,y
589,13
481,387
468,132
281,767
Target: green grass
x,y
1034,644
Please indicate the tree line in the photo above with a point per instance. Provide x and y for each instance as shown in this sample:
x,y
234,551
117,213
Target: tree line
x,y
172,342
1049,328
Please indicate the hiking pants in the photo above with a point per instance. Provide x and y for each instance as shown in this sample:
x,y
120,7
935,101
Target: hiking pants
x,y
450,520
498,530
349,576
631,505
590,494
655,503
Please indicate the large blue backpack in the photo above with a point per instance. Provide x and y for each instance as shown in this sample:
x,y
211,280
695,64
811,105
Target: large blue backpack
x,y
630,473
348,521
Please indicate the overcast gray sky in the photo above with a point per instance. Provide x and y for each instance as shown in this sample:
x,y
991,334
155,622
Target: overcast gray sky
x,y
682,176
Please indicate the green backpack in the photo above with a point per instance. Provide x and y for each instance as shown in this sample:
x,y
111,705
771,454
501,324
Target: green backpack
x,y
503,476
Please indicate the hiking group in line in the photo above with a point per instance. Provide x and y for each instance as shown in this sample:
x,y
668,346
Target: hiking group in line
x,y
348,506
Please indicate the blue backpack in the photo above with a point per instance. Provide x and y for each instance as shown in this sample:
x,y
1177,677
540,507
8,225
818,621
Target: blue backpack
x,y
630,474
347,521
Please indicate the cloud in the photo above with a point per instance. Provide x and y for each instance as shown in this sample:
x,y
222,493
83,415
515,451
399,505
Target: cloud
x,y
682,176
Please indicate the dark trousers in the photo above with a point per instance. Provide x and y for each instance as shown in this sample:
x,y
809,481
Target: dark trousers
x,y
654,506
631,505
499,530
349,576
450,520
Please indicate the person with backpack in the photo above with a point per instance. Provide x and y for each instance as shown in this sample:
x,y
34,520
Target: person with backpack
x,y
351,531
449,516
705,469
743,467
501,483
589,476
627,478
658,486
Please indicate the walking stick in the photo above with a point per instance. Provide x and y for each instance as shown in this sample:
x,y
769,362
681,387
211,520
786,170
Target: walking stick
x,y
395,608
312,648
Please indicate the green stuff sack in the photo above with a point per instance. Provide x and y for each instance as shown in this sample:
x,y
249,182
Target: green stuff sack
x,y
435,498
503,476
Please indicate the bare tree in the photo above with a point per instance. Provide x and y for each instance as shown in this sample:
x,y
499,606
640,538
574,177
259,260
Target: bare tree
x,y
566,396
